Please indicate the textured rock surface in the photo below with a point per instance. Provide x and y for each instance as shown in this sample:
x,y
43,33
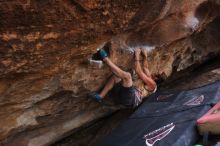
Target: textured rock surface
x,y
44,47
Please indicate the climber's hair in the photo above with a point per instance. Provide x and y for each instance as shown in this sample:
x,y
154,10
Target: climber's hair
x,y
159,78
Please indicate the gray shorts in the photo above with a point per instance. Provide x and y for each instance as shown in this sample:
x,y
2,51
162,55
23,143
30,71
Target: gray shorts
x,y
123,95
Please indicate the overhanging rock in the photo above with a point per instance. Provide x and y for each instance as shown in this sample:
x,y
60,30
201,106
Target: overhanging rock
x,y
45,45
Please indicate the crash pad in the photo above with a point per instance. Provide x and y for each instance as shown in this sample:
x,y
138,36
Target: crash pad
x,y
166,118
210,122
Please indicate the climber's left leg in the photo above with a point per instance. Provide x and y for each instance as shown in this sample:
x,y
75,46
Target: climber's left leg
x,y
119,75
109,85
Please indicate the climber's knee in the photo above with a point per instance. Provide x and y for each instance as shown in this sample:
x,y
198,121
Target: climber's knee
x,y
127,80
116,79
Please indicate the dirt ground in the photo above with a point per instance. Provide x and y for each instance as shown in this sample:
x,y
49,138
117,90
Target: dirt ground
x,y
200,76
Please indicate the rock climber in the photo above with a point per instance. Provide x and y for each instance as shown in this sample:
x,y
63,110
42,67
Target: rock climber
x,y
123,89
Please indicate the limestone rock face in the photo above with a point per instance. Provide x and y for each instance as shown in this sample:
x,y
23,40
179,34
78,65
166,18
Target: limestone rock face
x,y
45,45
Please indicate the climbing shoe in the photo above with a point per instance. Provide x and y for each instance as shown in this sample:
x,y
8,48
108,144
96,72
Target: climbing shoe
x,y
102,54
96,97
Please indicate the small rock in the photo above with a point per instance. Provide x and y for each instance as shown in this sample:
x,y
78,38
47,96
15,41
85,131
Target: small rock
x,y
105,13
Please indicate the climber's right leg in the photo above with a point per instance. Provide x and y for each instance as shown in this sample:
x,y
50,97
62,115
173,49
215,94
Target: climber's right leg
x,y
119,75
125,76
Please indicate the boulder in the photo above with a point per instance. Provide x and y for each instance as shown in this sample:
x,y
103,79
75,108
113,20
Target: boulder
x,y
45,47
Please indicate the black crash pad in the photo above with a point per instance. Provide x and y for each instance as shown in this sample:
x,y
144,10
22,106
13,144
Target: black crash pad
x,y
167,118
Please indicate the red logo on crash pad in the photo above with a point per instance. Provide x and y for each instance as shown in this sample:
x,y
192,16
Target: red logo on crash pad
x,y
164,97
152,137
